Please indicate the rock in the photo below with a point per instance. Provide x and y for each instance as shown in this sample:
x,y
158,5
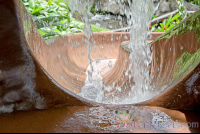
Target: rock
x,y
113,6
1,103
156,2
79,16
6,108
120,8
40,102
1,81
109,6
109,21
11,97
91,2
78,8
1,91
23,106
165,6
191,7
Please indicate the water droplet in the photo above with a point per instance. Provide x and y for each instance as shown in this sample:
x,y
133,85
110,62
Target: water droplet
x,y
182,47
59,56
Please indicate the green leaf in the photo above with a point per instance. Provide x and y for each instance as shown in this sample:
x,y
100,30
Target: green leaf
x,y
46,29
160,30
56,9
53,14
154,25
52,33
171,26
71,25
49,2
153,17
46,14
64,21
36,11
175,18
31,3
26,4
169,20
57,24
44,21
164,22
64,32
42,33
62,4
162,25
56,30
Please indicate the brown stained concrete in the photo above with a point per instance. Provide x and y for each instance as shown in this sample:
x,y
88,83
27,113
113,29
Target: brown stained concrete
x,y
183,92
34,75
80,119
41,75
20,69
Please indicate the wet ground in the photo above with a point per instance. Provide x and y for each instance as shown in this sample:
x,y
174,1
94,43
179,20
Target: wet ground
x,y
99,119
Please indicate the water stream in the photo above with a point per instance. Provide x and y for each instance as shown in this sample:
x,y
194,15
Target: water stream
x,y
138,17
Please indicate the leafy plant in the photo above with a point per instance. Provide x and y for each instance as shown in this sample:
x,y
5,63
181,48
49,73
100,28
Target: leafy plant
x,y
186,62
53,18
98,29
182,10
92,9
172,21
167,24
194,2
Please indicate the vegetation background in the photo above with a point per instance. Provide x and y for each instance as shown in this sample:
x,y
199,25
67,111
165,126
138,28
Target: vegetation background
x,y
53,18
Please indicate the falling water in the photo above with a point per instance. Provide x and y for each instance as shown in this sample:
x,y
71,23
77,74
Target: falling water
x,y
140,54
138,17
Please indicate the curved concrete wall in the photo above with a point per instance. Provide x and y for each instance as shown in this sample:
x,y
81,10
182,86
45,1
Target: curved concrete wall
x,y
34,75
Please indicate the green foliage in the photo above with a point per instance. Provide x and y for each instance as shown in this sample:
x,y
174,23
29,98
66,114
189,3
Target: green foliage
x,y
167,24
153,17
103,13
182,10
53,18
92,9
98,29
186,63
194,2
191,23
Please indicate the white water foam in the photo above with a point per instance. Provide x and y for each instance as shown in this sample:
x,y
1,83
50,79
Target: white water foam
x,y
93,88
139,17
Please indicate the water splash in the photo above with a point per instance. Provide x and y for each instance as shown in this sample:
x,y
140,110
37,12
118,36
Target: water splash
x,y
140,53
138,17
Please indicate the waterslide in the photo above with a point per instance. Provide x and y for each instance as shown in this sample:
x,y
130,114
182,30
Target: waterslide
x,y
35,74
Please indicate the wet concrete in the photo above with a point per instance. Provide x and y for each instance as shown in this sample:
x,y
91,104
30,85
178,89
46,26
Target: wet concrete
x,y
34,75
83,119
31,78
